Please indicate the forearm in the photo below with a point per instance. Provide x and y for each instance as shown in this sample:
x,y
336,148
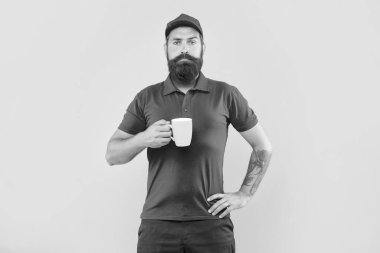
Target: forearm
x,y
257,168
121,151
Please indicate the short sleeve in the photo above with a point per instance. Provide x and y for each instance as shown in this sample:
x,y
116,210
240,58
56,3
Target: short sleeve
x,y
241,116
134,120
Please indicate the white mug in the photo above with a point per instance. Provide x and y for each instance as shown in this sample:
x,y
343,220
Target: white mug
x,y
182,129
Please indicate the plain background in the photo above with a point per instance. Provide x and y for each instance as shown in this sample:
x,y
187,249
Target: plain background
x,y
309,69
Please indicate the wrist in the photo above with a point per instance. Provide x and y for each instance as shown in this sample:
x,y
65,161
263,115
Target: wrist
x,y
246,192
141,140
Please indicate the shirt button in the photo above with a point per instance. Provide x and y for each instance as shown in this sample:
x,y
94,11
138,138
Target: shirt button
x,y
185,110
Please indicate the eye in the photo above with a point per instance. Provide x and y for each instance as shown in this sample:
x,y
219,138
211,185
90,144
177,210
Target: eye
x,y
176,42
192,42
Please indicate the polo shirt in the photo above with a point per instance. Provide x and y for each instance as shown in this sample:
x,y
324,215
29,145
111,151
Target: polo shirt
x,y
180,179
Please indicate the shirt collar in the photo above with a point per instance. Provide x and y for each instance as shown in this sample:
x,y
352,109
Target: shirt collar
x,y
202,85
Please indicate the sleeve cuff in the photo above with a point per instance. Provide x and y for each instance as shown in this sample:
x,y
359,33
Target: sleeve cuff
x,y
251,123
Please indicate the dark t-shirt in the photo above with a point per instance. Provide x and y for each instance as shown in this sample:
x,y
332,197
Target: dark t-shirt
x,y
180,179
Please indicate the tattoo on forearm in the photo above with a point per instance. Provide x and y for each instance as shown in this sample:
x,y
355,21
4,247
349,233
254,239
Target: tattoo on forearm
x,y
257,167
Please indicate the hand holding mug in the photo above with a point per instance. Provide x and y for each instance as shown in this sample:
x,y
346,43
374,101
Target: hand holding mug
x,y
158,134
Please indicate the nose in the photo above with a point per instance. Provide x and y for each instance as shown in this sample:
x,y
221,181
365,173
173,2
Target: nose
x,y
185,49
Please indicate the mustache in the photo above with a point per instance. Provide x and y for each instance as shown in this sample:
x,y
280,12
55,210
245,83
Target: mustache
x,y
184,56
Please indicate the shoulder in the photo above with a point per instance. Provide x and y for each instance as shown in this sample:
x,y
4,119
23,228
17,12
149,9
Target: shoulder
x,y
221,87
149,91
228,92
151,88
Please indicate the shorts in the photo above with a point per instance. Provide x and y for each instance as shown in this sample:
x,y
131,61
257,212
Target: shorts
x,y
198,236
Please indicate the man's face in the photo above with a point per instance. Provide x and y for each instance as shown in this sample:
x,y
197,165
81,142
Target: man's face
x,y
184,39
184,52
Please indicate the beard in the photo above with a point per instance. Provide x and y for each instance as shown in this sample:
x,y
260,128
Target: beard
x,y
185,71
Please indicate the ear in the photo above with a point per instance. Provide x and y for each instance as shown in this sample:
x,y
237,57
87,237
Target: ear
x,y
166,49
204,48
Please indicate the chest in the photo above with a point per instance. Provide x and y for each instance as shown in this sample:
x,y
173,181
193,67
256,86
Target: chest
x,y
206,110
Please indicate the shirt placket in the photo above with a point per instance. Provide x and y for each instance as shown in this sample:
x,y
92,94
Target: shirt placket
x,y
186,104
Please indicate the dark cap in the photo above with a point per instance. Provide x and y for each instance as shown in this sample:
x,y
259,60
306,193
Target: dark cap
x,y
183,20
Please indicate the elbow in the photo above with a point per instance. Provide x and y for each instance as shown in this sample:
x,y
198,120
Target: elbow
x,y
267,147
269,151
112,159
109,159
264,152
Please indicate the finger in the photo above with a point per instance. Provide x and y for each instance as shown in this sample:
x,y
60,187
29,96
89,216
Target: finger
x,y
220,208
216,205
163,128
164,141
216,196
227,211
164,134
161,122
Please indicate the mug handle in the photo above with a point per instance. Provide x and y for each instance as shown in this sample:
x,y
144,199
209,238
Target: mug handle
x,y
172,133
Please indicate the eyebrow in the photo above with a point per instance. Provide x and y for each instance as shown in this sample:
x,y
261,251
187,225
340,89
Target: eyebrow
x,y
194,37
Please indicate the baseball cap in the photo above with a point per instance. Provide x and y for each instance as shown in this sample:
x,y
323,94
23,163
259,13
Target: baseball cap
x,y
183,20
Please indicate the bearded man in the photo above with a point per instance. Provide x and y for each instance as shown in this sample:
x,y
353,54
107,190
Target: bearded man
x,y
186,208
